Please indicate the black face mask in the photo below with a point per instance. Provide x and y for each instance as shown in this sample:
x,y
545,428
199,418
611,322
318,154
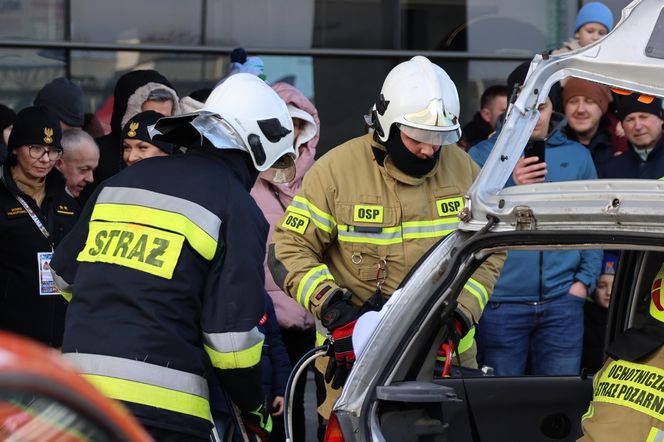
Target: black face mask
x,y
404,160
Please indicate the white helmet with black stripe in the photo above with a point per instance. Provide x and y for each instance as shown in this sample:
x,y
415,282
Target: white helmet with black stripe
x,y
242,113
421,99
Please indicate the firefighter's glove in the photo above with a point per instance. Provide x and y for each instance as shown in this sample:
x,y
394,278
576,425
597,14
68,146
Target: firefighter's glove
x,y
459,327
339,317
258,422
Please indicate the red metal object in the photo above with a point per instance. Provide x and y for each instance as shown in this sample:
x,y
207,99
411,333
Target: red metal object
x,y
28,368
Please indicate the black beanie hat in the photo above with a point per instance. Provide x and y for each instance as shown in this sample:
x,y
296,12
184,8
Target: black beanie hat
x,y
35,125
7,117
517,76
137,129
627,104
65,98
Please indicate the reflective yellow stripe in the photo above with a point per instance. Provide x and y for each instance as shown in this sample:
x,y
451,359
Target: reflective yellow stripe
x,y
198,238
66,295
320,339
655,435
321,333
430,229
477,290
656,309
386,235
590,413
151,395
237,359
309,283
133,246
636,386
465,343
322,220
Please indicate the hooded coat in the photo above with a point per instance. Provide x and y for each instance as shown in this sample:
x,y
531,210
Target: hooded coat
x,y
274,198
131,91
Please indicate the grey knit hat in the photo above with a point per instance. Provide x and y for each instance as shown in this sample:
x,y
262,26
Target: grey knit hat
x,y
65,99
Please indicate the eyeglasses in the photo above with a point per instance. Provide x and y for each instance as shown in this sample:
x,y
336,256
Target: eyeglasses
x,y
36,152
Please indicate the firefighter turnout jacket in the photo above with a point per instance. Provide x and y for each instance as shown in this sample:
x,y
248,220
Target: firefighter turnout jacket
x,y
165,271
359,222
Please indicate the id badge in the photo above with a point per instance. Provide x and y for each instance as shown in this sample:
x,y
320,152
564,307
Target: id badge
x,y
46,283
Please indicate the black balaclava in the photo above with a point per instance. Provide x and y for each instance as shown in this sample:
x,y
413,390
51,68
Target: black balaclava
x,y
404,160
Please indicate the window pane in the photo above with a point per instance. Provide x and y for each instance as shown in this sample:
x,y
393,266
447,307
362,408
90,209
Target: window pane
x,y
32,19
136,21
23,72
350,24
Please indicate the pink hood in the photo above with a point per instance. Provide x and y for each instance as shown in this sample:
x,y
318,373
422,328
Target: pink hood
x,y
289,313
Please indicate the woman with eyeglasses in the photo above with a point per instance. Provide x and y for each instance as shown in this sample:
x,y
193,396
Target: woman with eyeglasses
x,y
35,214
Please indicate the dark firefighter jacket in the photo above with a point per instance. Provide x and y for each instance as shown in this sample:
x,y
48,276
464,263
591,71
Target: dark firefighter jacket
x,y
165,272
22,309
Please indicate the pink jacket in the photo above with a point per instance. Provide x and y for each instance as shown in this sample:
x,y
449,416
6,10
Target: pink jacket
x,y
273,198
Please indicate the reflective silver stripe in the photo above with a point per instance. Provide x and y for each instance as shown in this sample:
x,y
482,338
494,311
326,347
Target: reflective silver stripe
x,y
139,371
479,288
305,208
60,283
202,217
232,342
346,233
440,228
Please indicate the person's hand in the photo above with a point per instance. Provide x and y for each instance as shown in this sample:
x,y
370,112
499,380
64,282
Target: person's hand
x,y
578,289
278,406
529,170
620,131
339,316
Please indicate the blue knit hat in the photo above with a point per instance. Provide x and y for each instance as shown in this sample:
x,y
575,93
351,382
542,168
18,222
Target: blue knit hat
x,y
609,263
594,12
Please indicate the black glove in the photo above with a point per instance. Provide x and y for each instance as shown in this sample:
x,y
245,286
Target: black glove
x,y
258,422
339,316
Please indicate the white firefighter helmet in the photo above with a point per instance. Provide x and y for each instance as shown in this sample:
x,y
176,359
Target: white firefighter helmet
x,y
242,113
421,99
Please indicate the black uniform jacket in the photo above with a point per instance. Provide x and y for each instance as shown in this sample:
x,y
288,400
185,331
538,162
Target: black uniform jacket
x,y
22,309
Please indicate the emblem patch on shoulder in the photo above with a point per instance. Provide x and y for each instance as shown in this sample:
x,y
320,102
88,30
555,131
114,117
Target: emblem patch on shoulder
x,y
295,222
449,206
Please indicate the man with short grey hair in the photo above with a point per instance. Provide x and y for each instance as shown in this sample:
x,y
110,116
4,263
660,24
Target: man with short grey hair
x,y
79,160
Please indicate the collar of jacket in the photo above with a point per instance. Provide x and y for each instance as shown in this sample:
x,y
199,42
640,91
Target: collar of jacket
x,y
55,182
656,151
384,160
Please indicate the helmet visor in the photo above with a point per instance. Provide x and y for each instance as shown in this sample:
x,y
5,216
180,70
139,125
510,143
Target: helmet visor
x,y
433,115
282,171
220,134
435,138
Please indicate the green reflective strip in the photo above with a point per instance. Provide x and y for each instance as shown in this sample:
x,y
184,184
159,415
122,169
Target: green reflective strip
x,y
465,343
233,341
590,413
68,296
265,424
478,290
387,235
322,220
140,372
655,435
194,222
150,395
239,359
321,333
309,283
430,229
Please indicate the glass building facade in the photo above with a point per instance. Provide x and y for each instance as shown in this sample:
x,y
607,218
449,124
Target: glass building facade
x,y
336,51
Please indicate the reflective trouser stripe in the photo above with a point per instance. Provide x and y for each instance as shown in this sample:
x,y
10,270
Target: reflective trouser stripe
x,y
479,291
465,343
655,435
323,221
144,383
309,283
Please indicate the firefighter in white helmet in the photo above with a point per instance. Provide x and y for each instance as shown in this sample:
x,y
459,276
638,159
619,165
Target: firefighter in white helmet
x,y
371,208
165,267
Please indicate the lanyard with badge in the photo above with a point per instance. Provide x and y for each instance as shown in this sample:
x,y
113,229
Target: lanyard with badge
x,y
46,283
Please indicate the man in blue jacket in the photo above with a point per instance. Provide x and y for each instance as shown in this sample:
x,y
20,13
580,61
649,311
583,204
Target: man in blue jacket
x,y
535,316
644,157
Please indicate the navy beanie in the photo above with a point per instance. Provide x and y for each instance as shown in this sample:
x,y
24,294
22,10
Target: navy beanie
x,y
137,129
65,98
627,104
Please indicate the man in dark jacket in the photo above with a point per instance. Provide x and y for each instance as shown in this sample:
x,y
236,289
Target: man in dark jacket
x,y
492,105
135,92
644,157
165,269
35,214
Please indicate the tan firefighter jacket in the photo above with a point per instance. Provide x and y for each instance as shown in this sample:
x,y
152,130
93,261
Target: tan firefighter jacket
x,y
358,221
